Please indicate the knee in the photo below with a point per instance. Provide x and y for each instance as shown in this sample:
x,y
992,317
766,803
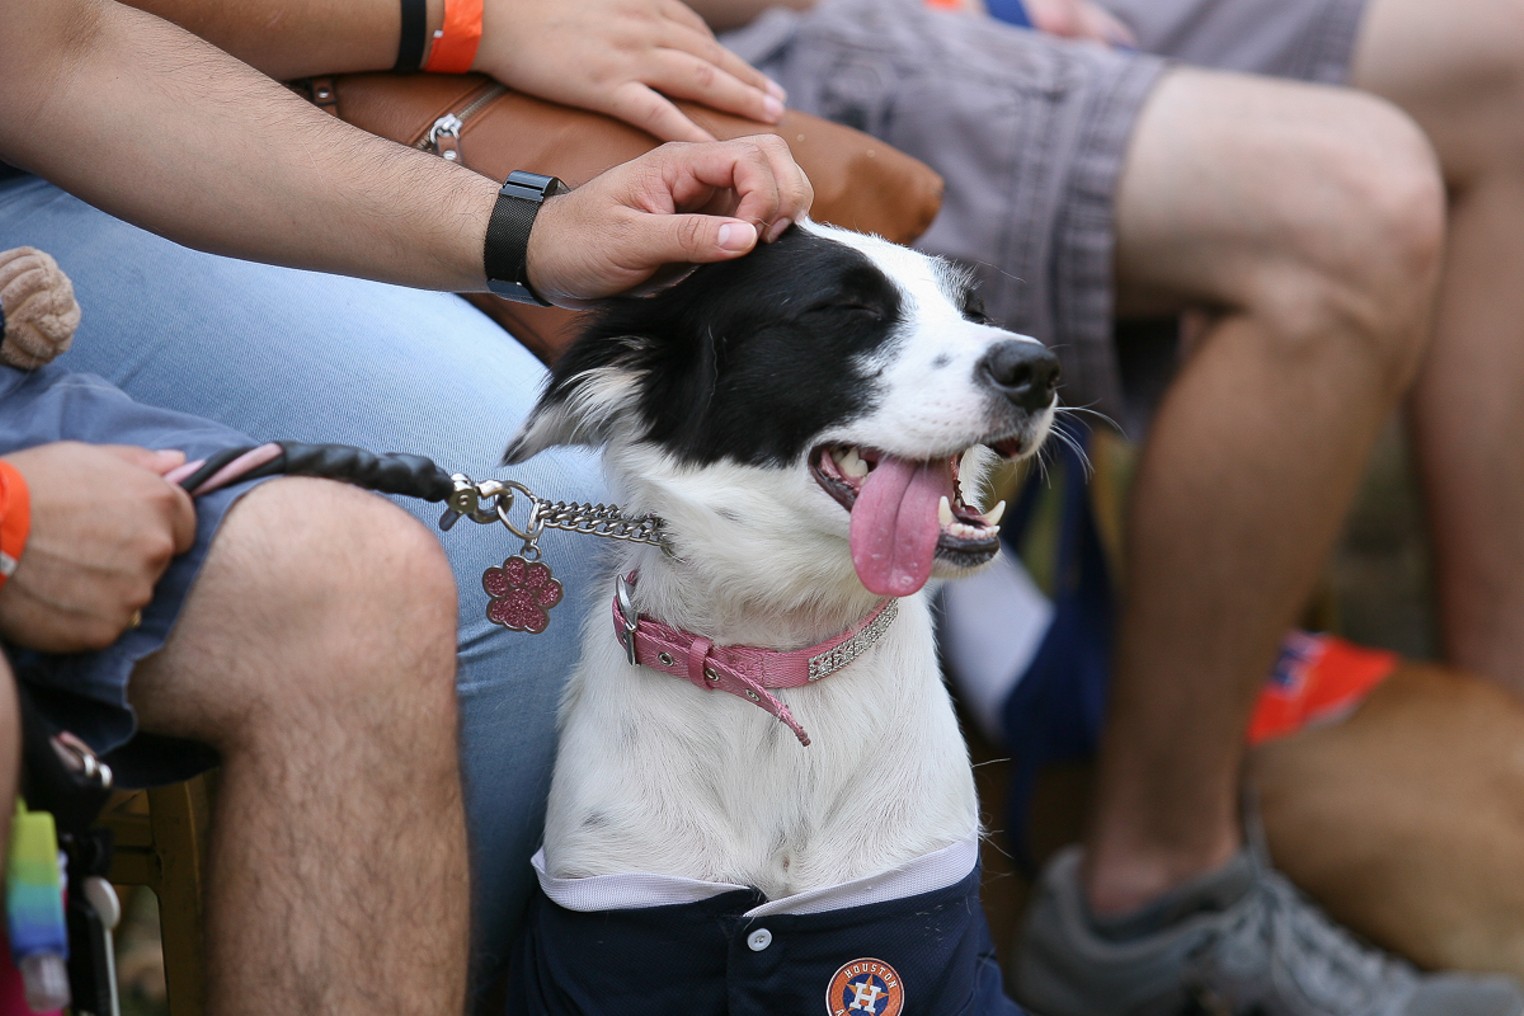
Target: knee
x,y
1367,238
358,598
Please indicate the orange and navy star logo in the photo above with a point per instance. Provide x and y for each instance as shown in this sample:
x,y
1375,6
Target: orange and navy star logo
x,y
865,987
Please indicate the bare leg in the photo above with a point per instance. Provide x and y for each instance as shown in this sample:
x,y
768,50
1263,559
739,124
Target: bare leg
x,y
1308,221
1459,71
10,755
317,653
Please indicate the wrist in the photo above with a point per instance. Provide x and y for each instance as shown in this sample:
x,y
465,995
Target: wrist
x,y
15,518
505,251
454,43
413,36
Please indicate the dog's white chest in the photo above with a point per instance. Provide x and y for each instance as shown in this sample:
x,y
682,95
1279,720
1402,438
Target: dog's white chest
x,y
655,775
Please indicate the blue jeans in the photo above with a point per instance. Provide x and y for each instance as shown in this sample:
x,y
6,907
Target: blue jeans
x,y
282,354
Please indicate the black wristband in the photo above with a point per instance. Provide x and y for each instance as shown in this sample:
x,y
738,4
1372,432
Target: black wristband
x,y
505,253
415,27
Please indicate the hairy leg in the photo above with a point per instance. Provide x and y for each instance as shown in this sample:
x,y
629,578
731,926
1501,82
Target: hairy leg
x,y
1306,222
316,652
284,354
1458,70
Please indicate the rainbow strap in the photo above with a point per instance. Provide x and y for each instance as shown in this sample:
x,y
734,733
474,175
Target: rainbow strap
x,y
34,888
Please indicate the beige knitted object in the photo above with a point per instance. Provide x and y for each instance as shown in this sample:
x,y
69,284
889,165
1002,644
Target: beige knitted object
x,y
37,301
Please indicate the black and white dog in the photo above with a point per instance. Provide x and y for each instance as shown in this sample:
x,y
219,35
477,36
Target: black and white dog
x,y
772,811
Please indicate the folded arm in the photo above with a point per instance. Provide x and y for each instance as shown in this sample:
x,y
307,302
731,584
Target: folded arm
x,y
156,126
626,58
160,128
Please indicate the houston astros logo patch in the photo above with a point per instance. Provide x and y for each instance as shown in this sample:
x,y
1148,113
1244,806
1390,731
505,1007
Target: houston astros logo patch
x,y
865,987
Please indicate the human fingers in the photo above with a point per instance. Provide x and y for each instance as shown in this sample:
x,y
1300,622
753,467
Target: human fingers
x,y
678,57
680,74
678,203
758,177
681,240
603,249
181,514
87,569
753,178
702,193
711,48
642,106
176,508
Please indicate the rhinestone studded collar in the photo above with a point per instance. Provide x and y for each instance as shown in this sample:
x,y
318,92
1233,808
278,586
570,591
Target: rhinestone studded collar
x,y
749,672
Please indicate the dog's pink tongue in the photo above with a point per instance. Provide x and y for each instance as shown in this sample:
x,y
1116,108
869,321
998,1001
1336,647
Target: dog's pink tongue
x,y
894,524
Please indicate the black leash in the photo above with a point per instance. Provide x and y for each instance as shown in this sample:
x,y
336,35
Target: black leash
x,y
523,590
389,473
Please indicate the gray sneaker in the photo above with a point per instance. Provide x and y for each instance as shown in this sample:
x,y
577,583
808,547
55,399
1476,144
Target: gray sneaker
x,y
1260,949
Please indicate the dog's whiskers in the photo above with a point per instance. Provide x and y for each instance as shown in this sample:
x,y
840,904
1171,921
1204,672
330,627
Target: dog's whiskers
x,y
1073,444
1088,411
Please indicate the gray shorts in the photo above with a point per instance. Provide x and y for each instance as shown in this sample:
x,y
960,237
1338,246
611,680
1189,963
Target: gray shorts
x,y
86,693
1030,132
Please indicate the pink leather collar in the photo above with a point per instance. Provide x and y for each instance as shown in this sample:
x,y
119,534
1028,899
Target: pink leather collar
x,y
746,671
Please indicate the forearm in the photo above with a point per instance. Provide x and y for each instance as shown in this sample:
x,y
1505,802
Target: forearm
x,y
296,38
624,58
220,157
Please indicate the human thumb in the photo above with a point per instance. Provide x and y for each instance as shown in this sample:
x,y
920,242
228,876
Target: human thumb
x,y
699,239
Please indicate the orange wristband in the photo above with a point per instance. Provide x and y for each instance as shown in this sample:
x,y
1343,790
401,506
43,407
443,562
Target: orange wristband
x,y
15,518
454,49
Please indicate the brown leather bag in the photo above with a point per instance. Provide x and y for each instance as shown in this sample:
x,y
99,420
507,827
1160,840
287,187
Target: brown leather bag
x,y
860,183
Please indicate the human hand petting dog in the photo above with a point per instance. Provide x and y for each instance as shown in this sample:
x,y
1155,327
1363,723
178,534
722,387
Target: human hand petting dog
x,y
630,58
105,525
679,205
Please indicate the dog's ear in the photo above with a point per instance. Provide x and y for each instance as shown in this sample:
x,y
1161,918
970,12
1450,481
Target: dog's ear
x,y
546,427
581,403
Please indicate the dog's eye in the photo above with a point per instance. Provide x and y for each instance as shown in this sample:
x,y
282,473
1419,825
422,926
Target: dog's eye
x,y
973,308
850,308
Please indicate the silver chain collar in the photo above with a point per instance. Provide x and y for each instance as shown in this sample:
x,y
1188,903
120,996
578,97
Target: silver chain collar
x,y
493,501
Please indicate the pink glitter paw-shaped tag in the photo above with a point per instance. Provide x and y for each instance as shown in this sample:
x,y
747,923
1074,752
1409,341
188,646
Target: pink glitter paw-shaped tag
x,y
522,594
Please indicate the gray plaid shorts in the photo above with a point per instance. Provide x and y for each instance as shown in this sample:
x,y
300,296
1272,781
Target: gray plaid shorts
x,y
86,693
1030,132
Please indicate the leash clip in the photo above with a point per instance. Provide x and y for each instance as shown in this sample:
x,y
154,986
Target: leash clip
x,y
473,500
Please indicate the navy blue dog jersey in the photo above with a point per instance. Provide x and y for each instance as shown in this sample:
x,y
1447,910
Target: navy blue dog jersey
x,y
924,955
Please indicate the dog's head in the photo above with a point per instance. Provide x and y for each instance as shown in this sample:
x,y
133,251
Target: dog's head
x,y
829,386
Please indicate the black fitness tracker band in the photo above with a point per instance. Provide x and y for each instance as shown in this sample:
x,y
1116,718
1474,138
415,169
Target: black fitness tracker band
x,y
506,255
410,44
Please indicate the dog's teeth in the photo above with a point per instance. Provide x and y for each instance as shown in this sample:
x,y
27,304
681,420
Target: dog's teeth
x,y
945,512
995,514
852,464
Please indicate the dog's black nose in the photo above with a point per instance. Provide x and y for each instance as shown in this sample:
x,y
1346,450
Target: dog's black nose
x,y
1024,372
